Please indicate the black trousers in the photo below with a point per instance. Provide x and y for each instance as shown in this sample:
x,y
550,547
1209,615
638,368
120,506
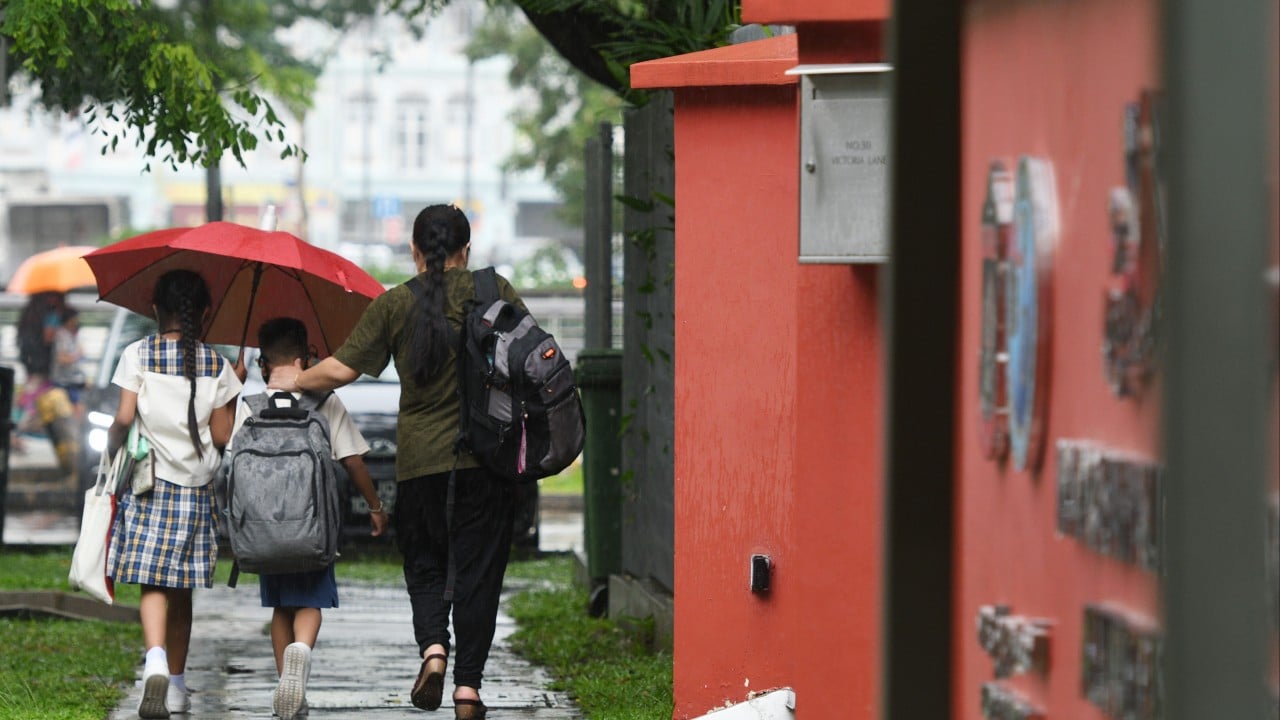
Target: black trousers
x,y
483,514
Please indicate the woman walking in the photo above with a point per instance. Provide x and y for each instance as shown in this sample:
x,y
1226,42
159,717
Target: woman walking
x,y
416,326
181,393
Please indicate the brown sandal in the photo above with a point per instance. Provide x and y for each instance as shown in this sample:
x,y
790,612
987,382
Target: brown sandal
x,y
464,709
429,687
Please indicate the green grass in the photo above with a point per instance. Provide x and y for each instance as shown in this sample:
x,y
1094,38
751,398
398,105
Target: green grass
x,y
47,570
552,571
61,669
65,669
373,565
568,482
607,668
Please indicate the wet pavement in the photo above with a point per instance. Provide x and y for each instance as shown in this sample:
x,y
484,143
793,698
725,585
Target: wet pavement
x,y
365,660
363,665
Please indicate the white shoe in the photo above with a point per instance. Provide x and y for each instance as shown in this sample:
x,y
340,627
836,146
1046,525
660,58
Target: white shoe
x,y
303,711
177,699
155,686
290,698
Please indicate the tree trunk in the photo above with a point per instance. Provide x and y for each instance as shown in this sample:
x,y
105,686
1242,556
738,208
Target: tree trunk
x,y
213,193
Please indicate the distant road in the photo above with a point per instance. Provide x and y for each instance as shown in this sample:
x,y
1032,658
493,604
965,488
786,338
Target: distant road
x,y
561,315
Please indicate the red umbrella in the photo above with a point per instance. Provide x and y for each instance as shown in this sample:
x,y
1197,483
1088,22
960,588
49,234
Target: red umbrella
x,y
253,276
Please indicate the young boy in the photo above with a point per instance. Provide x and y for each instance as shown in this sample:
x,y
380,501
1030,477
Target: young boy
x,y
298,598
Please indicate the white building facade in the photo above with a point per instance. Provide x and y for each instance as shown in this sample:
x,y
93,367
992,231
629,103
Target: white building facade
x,y
399,122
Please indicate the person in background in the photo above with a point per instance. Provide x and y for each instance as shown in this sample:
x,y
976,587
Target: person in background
x,y
182,394
299,598
40,318
67,372
416,326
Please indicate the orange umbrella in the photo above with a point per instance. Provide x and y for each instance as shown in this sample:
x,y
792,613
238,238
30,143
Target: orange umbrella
x,y
57,270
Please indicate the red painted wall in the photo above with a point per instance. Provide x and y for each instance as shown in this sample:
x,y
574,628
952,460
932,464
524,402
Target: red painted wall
x,y
1047,78
798,11
777,440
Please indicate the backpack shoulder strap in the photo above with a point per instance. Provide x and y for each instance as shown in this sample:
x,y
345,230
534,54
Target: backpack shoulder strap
x,y
256,403
417,288
486,280
314,401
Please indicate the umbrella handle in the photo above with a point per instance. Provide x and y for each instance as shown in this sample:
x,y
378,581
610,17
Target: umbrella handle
x,y
253,295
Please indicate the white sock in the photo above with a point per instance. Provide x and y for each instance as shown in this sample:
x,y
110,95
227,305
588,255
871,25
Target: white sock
x,y
157,655
178,681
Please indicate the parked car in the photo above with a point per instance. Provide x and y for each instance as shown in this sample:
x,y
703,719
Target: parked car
x,y
372,402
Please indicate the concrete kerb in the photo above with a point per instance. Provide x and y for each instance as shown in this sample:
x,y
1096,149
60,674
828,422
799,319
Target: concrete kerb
x,y
31,603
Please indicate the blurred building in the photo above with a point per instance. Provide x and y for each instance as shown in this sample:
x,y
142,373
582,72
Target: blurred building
x,y
399,122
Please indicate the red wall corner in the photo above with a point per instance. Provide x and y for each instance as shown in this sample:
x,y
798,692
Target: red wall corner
x,y
777,441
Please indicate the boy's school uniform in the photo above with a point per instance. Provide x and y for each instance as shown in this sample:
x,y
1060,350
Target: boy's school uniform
x,y
344,436
167,537
319,588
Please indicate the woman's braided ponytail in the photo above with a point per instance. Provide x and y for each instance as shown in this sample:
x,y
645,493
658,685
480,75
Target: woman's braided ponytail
x,y
438,232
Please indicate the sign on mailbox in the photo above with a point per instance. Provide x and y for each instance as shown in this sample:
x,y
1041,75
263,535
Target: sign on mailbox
x,y
844,163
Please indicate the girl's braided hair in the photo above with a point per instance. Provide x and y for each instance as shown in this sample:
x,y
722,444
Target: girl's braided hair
x,y
438,232
183,296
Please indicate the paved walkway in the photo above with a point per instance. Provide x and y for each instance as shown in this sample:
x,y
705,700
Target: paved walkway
x,y
363,665
365,661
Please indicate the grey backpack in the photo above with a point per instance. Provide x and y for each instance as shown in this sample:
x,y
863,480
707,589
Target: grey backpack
x,y
283,513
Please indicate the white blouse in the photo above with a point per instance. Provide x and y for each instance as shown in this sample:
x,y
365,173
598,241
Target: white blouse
x,y
151,367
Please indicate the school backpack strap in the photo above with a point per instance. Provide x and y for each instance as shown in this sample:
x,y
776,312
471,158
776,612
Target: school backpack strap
x,y
486,282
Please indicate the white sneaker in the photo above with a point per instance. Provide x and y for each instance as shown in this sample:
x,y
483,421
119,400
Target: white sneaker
x,y
303,711
155,686
177,699
290,698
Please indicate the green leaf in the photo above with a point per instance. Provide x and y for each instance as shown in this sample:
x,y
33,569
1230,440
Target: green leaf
x,y
635,203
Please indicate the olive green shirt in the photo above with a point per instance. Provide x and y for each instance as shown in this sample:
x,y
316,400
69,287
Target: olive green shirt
x,y
428,419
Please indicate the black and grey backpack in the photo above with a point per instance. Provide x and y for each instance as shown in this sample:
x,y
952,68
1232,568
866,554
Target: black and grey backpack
x,y
521,415
283,510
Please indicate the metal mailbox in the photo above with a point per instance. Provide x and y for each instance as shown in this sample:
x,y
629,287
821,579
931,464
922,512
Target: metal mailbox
x,y
844,163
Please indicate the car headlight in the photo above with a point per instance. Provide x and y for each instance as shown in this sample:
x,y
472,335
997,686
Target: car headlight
x,y
381,447
97,439
97,435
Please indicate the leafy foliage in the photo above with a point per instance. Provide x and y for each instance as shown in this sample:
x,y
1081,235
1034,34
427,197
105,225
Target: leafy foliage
x,y
577,81
566,106
187,80
613,34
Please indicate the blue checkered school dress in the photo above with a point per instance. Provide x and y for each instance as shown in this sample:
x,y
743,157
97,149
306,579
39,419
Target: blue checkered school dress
x,y
167,537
